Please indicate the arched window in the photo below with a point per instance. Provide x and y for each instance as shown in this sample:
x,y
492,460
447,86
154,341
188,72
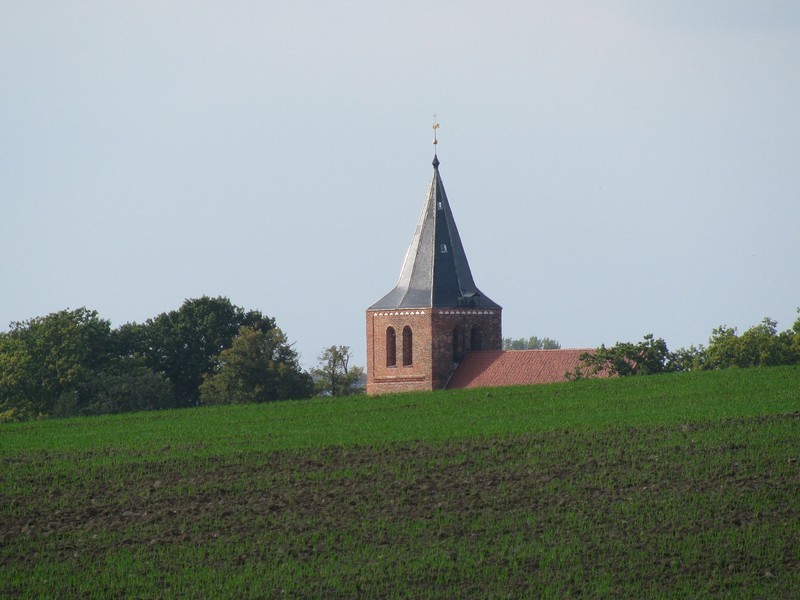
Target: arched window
x,y
408,344
458,344
475,341
391,347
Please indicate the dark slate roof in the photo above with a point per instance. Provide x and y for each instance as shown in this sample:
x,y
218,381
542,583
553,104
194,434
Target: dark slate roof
x,y
435,272
515,367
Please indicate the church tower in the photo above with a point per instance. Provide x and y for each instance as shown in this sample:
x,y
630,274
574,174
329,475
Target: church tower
x,y
419,332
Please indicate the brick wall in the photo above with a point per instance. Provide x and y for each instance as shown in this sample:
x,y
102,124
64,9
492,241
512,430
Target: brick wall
x,y
433,359
445,322
382,379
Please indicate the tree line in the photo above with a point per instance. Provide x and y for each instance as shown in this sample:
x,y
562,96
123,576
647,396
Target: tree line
x,y
759,346
208,351
531,343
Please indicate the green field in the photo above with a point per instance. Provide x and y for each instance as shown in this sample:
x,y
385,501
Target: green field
x,y
676,485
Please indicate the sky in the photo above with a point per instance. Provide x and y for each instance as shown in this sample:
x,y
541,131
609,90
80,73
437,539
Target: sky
x,y
615,169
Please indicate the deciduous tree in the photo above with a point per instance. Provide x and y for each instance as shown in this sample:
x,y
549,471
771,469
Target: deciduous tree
x,y
531,343
47,357
15,405
184,344
260,366
334,376
648,357
761,345
127,385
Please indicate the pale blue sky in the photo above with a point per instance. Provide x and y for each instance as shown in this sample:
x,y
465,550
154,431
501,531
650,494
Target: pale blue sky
x,y
615,168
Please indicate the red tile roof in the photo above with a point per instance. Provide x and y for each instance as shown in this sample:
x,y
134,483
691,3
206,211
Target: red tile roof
x,y
514,367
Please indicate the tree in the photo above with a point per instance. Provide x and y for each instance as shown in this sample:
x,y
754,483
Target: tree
x,y
127,385
72,362
333,376
260,366
723,348
69,363
532,343
759,346
692,358
52,357
184,344
648,357
762,346
14,363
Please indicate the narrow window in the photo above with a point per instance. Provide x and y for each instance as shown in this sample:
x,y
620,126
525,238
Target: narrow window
x,y
391,347
444,248
475,341
408,343
457,343
440,205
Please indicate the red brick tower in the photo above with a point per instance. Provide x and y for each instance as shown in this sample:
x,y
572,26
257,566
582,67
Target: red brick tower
x,y
419,332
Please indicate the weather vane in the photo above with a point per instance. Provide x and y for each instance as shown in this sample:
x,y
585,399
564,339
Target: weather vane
x,y
435,127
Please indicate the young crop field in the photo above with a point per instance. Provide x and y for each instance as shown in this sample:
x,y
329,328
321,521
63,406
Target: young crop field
x,y
677,485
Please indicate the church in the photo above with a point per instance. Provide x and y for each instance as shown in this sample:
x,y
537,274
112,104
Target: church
x,y
436,330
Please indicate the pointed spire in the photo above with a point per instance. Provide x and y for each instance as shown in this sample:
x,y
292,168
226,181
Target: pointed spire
x,y
435,272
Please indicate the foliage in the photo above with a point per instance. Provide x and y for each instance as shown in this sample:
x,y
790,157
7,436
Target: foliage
x,y
50,360
260,366
796,336
648,357
68,363
126,385
759,346
14,365
334,376
72,363
532,343
692,358
184,344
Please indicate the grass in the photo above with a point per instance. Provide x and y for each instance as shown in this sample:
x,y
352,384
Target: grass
x,y
684,485
593,404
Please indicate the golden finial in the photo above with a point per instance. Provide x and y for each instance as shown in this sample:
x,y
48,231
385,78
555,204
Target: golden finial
x,y
435,127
